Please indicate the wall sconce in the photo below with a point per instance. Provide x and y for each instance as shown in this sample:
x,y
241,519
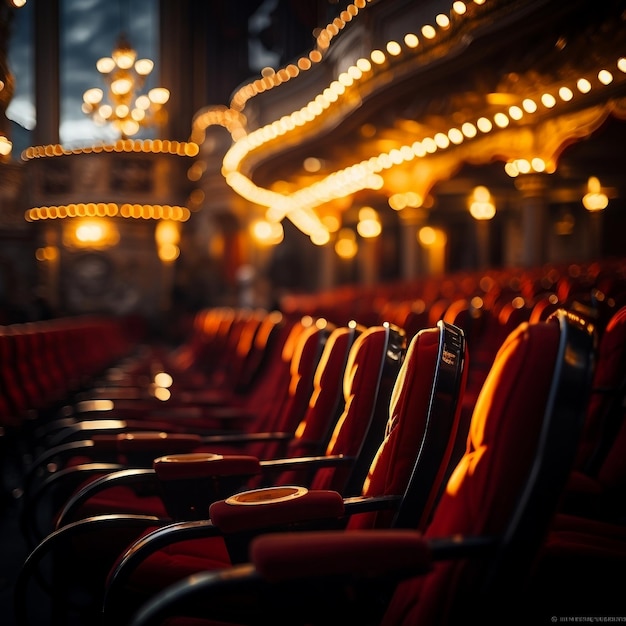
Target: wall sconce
x,y
481,206
369,224
431,237
96,234
167,236
5,146
594,199
267,233
346,246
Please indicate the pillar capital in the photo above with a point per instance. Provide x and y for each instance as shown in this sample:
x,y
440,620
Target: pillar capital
x,y
531,185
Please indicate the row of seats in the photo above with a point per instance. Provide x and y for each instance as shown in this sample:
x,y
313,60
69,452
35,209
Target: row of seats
x,y
45,363
296,469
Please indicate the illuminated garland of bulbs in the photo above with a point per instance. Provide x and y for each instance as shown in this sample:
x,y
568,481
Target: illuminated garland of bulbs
x,y
271,78
111,209
364,174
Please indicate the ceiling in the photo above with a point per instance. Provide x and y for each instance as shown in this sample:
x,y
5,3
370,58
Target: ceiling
x,y
478,74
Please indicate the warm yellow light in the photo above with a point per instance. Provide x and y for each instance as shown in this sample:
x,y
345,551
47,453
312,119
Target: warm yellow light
x,y
367,213
566,94
161,393
93,96
529,105
105,111
163,379
433,238
90,233
320,238
138,114
459,7
5,146
605,77
377,56
267,233
125,76
144,66
584,86
105,65
538,164
501,120
331,222
168,252
159,95
484,125
595,199
481,206
369,228
121,86
427,236
143,102
346,246
129,127
121,111
393,48
443,21
124,57
167,232
411,40
312,164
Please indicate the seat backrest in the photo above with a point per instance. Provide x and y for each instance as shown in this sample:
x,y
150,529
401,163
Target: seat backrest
x,y
371,371
290,404
326,402
520,448
603,443
259,352
275,375
237,344
424,414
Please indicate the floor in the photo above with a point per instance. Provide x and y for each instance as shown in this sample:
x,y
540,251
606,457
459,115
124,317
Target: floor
x,y
14,549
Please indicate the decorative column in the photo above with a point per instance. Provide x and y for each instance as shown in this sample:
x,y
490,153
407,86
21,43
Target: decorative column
x,y
326,273
368,262
410,263
533,207
47,82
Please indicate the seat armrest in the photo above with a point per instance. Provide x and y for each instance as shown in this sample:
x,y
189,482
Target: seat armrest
x,y
343,575
245,438
274,506
133,477
278,556
310,463
190,483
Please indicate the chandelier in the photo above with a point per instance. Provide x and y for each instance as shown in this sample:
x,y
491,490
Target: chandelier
x,y
125,107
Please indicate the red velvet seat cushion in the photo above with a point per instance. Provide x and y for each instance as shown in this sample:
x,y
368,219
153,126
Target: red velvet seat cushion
x,y
609,374
395,459
327,391
360,389
484,487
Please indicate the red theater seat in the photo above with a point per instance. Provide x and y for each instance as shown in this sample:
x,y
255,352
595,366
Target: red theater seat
x,y
400,489
277,407
371,369
472,561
